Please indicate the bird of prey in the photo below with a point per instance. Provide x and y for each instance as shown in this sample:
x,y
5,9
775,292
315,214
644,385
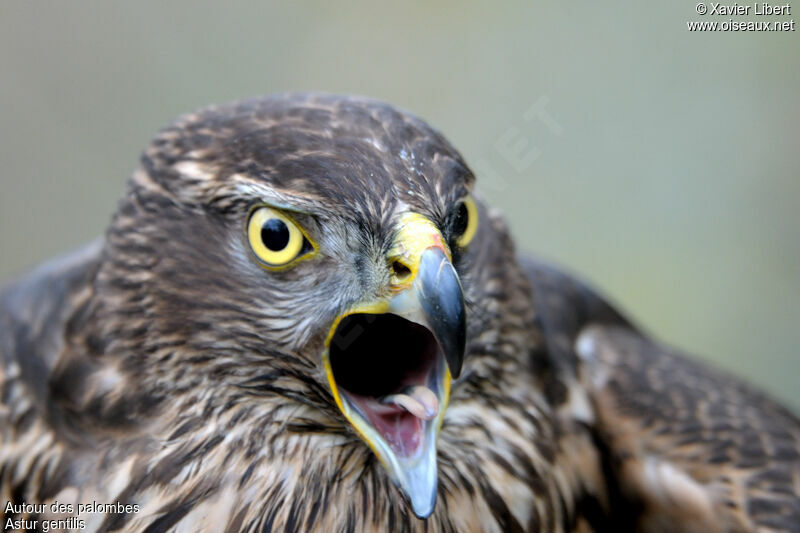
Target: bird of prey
x,y
303,317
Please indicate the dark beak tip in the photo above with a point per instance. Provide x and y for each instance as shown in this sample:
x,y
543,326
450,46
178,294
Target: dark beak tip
x,y
443,303
455,359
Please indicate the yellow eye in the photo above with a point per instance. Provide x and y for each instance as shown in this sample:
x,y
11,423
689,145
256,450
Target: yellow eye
x,y
466,221
274,237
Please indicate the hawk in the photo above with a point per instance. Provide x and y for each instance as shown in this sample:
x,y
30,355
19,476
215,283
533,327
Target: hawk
x,y
303,317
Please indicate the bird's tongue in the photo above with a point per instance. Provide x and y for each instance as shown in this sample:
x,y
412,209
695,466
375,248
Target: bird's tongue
x,y
399,417
418,400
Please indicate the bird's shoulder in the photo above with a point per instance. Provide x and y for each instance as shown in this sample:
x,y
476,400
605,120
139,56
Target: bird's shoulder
x,y
35,311
35,307
564,305
686,445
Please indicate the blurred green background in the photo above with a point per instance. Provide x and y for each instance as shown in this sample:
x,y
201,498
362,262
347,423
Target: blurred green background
x,y
658,163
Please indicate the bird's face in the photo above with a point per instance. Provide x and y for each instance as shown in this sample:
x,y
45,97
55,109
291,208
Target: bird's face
x,y
321,240
389,359
392,312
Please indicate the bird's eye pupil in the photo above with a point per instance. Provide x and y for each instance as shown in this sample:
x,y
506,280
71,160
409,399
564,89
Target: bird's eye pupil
x,y
462,219
275,234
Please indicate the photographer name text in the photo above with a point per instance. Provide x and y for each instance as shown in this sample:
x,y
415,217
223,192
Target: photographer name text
x,y
756,8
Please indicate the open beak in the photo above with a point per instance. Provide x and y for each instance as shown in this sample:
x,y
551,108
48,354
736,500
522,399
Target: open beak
x,y
389,362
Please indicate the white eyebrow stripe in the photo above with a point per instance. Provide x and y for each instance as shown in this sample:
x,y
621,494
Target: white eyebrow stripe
x,y
308,205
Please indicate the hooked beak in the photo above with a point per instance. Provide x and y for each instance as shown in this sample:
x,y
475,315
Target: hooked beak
x,y
436,301
389,362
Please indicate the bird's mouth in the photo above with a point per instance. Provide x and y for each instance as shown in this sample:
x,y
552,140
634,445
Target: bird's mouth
x,y
400,387
389,360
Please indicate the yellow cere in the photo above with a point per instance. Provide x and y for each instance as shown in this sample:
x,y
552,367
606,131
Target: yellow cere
x,y
472,222
415,234
289,250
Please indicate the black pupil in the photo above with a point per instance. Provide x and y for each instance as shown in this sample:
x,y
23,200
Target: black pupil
x,y
462,219
275,234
